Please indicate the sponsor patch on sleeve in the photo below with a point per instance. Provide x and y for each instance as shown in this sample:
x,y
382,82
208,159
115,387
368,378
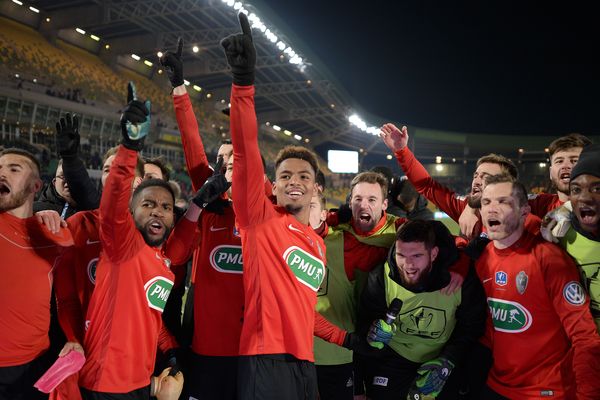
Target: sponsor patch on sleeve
x,y
380,381
574,293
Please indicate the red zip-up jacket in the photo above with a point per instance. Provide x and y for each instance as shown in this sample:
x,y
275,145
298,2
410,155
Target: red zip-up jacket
x,y
217,261
29,251
283,259
133,282
543,337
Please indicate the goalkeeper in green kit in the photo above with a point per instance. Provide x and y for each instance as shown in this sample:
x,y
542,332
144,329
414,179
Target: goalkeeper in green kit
x,y
423,334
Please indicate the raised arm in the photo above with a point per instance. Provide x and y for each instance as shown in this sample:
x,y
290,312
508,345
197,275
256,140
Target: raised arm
x,y
118,234
447,200
195,156
249,200
82,188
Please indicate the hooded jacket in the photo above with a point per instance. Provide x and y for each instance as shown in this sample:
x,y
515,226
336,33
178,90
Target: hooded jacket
x,y
50,200
470,315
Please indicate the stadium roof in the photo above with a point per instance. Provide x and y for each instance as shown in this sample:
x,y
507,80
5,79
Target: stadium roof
x,y
302,97
299,97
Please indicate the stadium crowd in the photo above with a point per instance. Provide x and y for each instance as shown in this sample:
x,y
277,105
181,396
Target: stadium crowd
x,y
250,288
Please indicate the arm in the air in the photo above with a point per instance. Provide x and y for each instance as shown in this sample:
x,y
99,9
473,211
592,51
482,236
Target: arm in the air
x,y
441,196
249,201
193,149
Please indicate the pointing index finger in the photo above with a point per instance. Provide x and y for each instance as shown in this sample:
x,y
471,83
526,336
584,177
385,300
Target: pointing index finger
x,y
218,165
244,24
179,47
131,92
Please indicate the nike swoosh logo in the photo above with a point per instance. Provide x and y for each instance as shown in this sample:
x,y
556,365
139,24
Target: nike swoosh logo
x,y
92,241
486,280
213,229
293,228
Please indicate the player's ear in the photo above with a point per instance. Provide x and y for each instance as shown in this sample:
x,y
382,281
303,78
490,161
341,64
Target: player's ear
x,y
434,253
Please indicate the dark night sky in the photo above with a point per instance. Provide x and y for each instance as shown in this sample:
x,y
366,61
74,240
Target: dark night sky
x,y
484,66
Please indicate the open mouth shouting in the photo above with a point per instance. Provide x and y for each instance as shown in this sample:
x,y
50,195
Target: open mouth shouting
x,y
4,189
565,177
587,215
492,223
155,227
365,218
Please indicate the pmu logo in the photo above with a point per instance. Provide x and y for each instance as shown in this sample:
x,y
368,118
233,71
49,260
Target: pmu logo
x,y
309,270
157,292
509,316
227,259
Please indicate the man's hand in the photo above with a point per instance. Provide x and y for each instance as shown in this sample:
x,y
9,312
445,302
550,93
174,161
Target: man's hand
x,y
431,377
380,334
173,65
135,120
241,54
213,188
456,281
167,386
394,138
556,223
51,219
470,223
71,346
67,136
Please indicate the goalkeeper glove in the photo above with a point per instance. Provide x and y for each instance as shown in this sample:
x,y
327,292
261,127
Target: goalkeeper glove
x,y
135,120
380,334
431,377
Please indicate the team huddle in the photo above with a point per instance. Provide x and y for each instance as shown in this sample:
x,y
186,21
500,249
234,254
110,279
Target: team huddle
x,y
288,300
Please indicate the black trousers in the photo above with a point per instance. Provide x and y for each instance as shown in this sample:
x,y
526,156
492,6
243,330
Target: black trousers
x,y
336,382
276,377
16,383
211,378
138,394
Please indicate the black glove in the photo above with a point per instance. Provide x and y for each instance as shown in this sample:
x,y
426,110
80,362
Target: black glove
x,y
358,344
135,120
344,214
173,65
213,188
476,247
67,136
241,54
172,361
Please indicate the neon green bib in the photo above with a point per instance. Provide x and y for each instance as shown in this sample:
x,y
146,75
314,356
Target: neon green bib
x,y
337,297
425,322
586,253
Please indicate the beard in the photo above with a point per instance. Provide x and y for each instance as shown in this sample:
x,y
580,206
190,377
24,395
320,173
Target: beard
x,y
474,201
15,200
511,225
293,208
153,242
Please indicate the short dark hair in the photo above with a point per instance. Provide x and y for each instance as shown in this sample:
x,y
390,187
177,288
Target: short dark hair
x,y
162,164
299,152
417,230
320,179
139,166
371,177
225,141
518,189
24,153
507,165
151,183
567,142
385,171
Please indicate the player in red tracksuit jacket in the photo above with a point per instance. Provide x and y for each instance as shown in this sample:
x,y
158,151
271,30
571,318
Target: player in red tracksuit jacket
x,y
218,295
133,277
29,251
542,335
283,256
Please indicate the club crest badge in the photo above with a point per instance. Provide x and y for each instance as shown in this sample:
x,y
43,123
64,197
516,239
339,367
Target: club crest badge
x,y
521,281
